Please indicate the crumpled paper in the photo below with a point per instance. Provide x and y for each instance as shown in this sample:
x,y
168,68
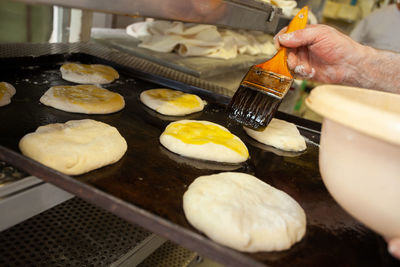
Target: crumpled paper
x,y
199,40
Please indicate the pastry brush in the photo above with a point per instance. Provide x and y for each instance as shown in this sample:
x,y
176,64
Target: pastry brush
x,y
262,89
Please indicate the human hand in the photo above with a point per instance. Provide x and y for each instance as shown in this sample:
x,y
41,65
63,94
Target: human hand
x,y
321,53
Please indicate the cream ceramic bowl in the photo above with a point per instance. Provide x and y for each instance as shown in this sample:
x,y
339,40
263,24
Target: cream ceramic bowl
x,y
359,155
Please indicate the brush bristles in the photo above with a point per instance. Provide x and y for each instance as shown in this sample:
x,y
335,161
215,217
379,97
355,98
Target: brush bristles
x,y
258,97
252,107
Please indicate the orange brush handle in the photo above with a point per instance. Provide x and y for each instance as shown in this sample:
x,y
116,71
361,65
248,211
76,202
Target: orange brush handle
x,y
278,64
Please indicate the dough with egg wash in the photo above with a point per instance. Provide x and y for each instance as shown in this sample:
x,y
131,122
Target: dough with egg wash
x,y
88,73
171,102
6,92
88,99
204,140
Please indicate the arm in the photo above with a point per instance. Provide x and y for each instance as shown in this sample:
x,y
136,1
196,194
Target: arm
x,y
323,54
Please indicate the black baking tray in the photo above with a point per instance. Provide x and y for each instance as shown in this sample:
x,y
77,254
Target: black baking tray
x,y
146,186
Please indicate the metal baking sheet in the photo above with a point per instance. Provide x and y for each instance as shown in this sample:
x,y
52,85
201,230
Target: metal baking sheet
x,y
197,66
146,186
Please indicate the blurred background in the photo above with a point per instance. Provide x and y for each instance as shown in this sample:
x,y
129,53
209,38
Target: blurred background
x,y
22,22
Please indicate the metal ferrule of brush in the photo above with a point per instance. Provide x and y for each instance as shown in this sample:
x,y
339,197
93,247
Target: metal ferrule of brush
x,y
269,82
258,97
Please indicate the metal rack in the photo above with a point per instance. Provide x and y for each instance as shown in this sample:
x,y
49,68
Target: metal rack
x,y
57,229
23,196
76,233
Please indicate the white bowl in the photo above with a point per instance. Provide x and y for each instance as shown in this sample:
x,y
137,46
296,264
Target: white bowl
x,y
359,154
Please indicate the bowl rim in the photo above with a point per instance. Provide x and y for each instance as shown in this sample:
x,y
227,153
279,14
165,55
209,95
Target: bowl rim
x,y
364,110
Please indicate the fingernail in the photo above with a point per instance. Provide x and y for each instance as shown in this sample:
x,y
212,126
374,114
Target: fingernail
x,y
285,36
394,248
282,37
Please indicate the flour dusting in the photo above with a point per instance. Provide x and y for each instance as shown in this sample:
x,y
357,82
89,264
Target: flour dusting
x,y
286,36
300,70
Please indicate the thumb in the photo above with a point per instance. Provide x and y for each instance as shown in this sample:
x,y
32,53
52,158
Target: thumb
x,y
299,38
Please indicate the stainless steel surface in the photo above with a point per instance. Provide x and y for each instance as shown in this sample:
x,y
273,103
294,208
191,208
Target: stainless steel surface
x,y
170,255
140,252
244,14
73,233
30,197
60,18
23,196
80,25
8,175
15,187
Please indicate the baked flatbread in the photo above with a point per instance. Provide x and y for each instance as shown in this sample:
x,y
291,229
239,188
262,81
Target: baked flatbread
x,y
242,212
88,73
88,99
280,134
171,102
204,140
6,92
74,147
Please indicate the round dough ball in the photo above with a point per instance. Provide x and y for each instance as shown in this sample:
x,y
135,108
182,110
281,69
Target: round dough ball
x,y
88,99
280,134
242,212
74,147
88,73
6,92
171,102
204,140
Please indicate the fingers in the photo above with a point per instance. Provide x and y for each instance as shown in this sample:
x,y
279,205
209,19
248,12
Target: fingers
x,y
394,247
299,64
292,58
276,42
302,37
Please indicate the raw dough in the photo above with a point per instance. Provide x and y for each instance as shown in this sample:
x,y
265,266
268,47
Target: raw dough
x,y
242,212
88,99
6,92
86,73
171,102
280,134
204,140
74,147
